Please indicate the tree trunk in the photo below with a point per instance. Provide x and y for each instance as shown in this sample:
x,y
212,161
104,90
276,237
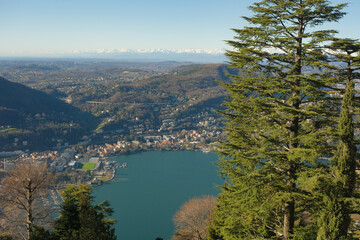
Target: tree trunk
x,y
289,217
29,217
289,208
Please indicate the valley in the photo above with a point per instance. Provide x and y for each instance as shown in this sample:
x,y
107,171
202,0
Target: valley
x,y
107,102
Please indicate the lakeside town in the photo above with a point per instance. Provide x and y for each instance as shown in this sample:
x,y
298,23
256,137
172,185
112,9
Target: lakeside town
x,y
91,163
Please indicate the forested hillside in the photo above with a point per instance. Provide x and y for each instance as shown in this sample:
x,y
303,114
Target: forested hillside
x,y
31,118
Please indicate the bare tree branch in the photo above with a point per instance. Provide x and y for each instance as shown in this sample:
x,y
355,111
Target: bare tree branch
x,y
22,190
192,220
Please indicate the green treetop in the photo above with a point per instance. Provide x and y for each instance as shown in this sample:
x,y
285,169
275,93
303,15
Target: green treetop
x,y
277,114
79,219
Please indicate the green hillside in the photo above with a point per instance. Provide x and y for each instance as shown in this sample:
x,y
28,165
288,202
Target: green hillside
x,y
186,90
40,120
24,99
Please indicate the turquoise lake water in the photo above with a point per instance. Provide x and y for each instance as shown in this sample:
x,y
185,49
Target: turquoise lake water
x,y
147,193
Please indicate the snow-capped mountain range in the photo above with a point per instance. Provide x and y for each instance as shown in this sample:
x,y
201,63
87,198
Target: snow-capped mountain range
x,y
192,55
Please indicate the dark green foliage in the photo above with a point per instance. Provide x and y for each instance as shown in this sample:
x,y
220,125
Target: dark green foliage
x,y
213,230
40,233
334,221
68,223
345,158
79,219
279,120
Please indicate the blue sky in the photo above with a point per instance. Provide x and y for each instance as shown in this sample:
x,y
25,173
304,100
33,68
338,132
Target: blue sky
x,y
36,27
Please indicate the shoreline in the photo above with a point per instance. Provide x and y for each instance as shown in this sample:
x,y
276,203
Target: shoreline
x,y
141,151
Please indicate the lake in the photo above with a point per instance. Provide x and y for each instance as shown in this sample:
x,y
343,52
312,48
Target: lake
x,y
147,193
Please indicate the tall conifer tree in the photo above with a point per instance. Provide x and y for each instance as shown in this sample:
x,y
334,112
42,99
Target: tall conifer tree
x,y
277,113
335,219
67,225
80,220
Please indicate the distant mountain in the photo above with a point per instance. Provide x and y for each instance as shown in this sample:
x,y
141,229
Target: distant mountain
x,y
155,55
37,118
